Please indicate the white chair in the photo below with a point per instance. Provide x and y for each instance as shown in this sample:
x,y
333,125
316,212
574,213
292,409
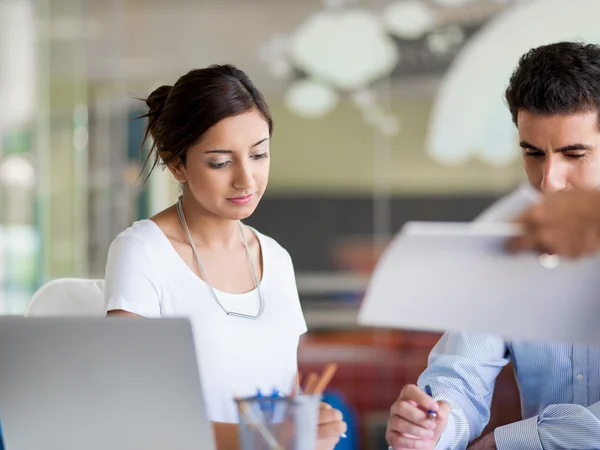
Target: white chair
x,y
68,297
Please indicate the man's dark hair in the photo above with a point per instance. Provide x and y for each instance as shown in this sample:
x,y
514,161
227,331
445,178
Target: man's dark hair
x,y
561,78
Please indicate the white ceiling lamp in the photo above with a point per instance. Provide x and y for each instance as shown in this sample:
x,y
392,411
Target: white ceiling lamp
x,y
469,116
347,49
310,99
339,49
409,19
443,41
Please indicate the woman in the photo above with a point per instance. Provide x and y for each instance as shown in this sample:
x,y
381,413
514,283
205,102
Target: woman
x,y
198,260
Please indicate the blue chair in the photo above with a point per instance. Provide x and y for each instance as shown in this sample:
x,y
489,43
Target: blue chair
x,y
336,400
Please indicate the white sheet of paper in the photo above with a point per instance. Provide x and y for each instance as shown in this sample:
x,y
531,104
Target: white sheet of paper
x,y
458,277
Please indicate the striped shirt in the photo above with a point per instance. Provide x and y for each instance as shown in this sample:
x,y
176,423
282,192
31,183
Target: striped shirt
x,y
559,384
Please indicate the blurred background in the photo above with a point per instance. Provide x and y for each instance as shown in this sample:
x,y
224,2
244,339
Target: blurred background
x,y
385,111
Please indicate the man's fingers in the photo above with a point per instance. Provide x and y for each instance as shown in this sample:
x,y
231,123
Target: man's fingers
x,y
409,427
409,410
530,218
444,408
444,411
522,218
532,239
403,426
401,442
414,393
517,244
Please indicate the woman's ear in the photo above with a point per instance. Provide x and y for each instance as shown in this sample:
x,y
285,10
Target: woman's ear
x,y
178,170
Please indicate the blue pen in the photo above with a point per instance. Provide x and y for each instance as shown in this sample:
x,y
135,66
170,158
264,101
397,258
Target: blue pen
x,y
431,415
267,402
262,400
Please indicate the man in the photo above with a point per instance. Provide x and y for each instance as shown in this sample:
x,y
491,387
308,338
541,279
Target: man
x,y
554,98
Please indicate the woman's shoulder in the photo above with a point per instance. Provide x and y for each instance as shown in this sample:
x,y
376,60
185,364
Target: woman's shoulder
x,y
140,235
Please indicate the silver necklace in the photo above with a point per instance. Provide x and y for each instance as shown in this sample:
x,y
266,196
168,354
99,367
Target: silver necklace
x,y
203,272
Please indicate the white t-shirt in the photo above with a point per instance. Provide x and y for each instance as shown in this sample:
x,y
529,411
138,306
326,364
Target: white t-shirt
x,y
236,356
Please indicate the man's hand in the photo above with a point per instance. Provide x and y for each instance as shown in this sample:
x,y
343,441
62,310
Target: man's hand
x,y
408,426
566,223
487,443
331,427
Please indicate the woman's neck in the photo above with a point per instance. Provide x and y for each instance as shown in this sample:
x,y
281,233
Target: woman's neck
x,y
207,229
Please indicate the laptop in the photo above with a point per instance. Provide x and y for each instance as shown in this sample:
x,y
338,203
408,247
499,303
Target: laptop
x,y
98,383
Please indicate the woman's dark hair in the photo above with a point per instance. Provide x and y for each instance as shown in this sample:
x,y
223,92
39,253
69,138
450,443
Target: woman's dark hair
x,y
560,78
179,115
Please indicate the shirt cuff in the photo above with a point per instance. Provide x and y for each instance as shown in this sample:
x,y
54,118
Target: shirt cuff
x,y
521,435
447,436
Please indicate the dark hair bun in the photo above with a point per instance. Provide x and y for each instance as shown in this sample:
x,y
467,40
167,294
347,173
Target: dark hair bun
x,y
157,99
